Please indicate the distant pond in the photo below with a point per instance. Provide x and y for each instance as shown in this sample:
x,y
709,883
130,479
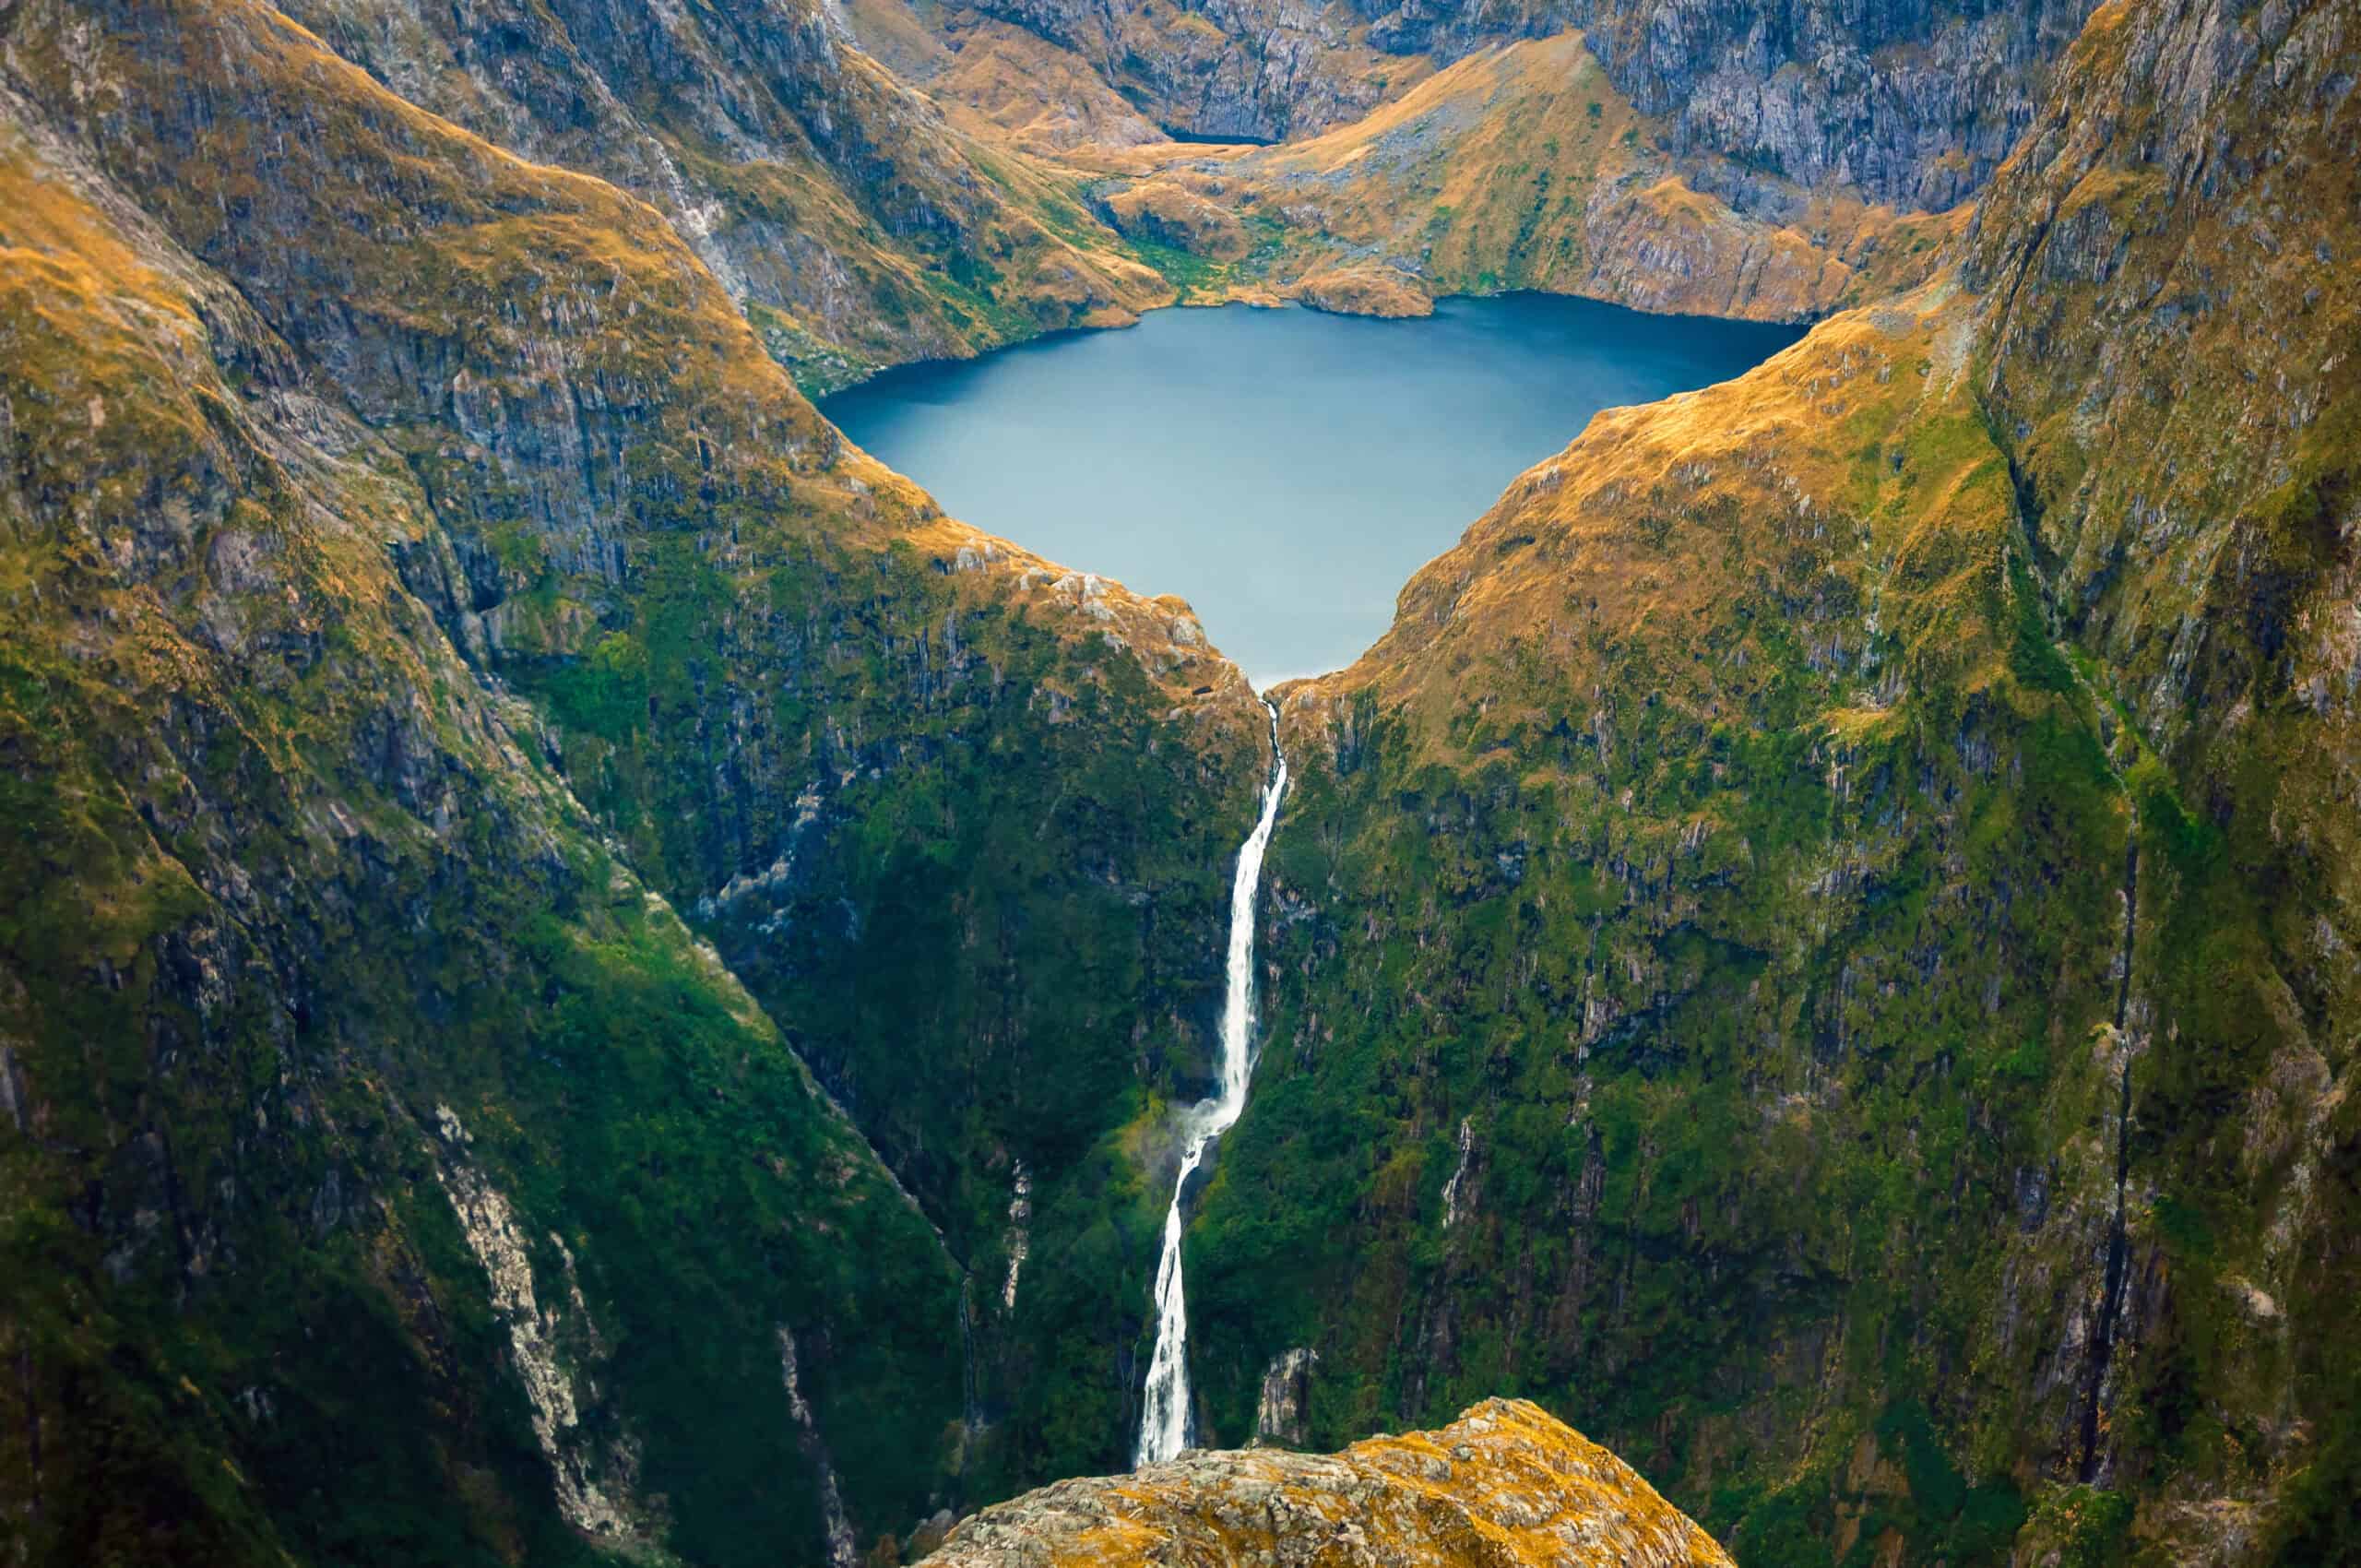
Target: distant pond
x,y
1283,470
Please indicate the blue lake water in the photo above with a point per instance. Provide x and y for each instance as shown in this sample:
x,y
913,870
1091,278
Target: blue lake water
x,y
1283,470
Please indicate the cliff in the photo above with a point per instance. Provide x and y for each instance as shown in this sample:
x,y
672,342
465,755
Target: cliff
x,y
832,203
1503,1486
1521,167
1815,945
434,623
1911,105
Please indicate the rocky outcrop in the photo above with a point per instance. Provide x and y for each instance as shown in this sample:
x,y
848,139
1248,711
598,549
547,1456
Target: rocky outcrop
x,y
1018,1241
587,1497
1360,291
1283,1414
836,1530
1503,1486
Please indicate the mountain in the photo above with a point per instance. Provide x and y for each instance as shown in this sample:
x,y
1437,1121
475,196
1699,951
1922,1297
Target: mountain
x,y
1521,167
834,205
1774,162
423,592
1817,943
584,974
1911,105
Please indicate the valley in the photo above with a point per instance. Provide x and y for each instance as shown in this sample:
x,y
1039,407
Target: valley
x,y
602,961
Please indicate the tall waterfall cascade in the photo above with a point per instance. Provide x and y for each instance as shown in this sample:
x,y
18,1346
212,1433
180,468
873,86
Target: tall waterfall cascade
x,y
1164,1418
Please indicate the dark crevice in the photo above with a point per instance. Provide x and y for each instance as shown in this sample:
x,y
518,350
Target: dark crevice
x,y
2117,1246
2045,570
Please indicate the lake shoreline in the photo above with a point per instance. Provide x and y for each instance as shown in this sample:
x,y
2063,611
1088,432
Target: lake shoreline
x,y
1260,297
1283,471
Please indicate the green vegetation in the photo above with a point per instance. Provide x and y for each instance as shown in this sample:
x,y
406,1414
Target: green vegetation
x,y
1837,981
288,879
1630,1267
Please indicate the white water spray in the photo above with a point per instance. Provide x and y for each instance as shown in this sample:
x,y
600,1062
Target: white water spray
x,y
1164,1420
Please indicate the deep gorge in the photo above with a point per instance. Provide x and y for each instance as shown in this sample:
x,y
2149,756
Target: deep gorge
x,y
590,973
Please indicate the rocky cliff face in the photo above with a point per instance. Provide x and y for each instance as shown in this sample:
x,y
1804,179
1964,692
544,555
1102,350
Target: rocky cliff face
x,y
433,621
331,1018
1767,105
1503,1486
1256,72
826,198
1519,168
1814,946
1910,104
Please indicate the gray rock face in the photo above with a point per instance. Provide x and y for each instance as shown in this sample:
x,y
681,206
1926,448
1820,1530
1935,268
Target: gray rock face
x,y
1910,101
1283,1414
1914,103
1262,71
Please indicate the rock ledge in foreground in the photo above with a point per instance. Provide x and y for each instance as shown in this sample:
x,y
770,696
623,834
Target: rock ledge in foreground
x,y
1505,1485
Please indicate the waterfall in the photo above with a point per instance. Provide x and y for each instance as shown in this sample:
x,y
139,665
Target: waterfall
x,y
1163,1420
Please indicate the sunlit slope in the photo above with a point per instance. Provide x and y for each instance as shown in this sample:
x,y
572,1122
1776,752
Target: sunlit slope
x,y
1520,167
1504,1486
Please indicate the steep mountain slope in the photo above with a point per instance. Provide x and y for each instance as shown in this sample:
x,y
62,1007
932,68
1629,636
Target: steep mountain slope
x,y
1002,83
832,203
1816,947
419,584
341,1056
1911,105
1502,1486
1517,168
